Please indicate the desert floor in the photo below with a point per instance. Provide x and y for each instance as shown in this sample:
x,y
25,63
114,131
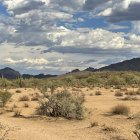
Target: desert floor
x,y
31,127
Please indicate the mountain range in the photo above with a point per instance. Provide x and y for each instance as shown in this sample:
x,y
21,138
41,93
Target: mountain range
x,y
128,65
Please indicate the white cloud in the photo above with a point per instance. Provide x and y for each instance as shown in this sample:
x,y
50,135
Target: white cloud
x,y
39,61
97,38
122,10
35,35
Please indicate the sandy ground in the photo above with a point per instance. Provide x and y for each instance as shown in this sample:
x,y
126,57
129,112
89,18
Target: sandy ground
x,y
45,128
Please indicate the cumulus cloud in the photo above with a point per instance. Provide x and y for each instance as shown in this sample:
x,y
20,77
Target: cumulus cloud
x,y
17,7
92,4
39,61
122,10
35,34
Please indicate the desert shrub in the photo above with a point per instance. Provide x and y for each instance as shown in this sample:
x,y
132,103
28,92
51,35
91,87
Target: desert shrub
x,y
118,87
18,91
108,128
4,97
91,94
116,80
130,98
138,92
123,89
93,124
26,105
4,83
117,138
17,113
93,80
118,94
120,110
52,89
64,105
138,125
24,98
14,106
34,99
20,82
43,89
69,81
98,93
130,93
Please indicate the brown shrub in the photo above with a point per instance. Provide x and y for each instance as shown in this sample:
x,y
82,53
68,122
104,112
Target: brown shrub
x,y
118,94
98,93
24,98
120,110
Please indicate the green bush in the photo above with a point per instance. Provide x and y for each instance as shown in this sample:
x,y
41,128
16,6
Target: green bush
x,y
93,80
63,105
4,97
116,80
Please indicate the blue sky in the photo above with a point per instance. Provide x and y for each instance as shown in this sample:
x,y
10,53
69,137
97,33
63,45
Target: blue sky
x,y
3,10
51,36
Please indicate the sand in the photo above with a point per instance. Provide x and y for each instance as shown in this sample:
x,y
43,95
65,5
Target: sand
x,y
31,127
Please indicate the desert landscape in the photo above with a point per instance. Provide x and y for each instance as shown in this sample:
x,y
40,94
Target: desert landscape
x,y
69,69
107,112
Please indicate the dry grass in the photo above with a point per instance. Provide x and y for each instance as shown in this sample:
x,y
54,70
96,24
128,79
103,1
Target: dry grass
x,y
118,138
24,98
130,93
18,91
17,113
138,125
108,128
130,98
34,99
91,94
98,93
118,94
120,110
26,105
93,124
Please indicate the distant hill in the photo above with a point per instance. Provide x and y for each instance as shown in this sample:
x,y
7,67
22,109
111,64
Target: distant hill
x,y
90,69
128,65
39,76
9,73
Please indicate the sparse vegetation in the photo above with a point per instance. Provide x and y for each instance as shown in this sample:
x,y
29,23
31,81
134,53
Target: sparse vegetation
x,y
98,93
120,110
118,94
24,98
4,97
26,105
91,94
34,99
118,138
108,128
45,96
93,124
130,98
17,113
131,93
138,125
18,91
